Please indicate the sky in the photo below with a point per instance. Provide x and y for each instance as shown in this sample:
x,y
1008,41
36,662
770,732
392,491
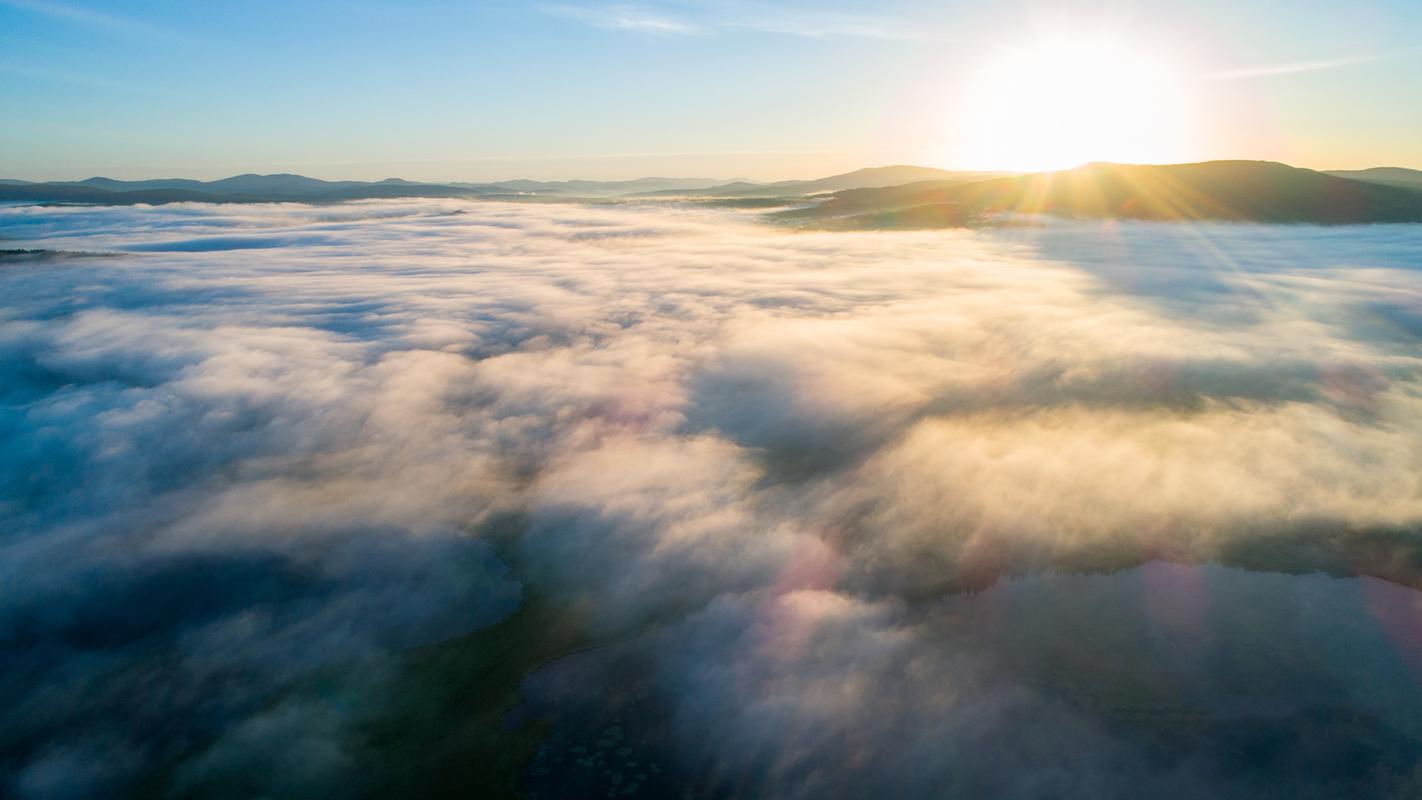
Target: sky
x,y
435,90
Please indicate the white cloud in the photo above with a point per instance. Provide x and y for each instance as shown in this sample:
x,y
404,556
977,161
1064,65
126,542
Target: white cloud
x,y
769,461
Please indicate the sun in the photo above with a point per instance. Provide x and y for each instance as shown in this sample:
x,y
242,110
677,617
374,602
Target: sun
x,y
1061,102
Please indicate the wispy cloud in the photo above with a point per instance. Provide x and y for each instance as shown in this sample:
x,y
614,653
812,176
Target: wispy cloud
x,y
232,474
699,18
817,24
626,18
110,23
1294,67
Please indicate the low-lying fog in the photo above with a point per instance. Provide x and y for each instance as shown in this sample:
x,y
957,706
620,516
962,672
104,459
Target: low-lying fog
x,y
961,514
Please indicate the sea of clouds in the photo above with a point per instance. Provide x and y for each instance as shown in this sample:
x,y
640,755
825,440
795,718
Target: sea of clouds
x,y
807,484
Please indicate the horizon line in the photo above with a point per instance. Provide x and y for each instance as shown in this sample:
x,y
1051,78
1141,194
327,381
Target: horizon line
x,y
674,177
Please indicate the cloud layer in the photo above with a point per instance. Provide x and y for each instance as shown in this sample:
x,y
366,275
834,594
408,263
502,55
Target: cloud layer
x,y
268,441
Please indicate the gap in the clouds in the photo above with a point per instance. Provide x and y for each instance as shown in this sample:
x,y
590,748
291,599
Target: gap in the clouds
x,y
434,720
695,489
1146,662
232,632
208,244
21,257
1135,657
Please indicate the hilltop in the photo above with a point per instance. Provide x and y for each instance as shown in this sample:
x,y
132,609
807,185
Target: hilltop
x,y
1399,176
873,198
1239,191
249,188
867,178
252,188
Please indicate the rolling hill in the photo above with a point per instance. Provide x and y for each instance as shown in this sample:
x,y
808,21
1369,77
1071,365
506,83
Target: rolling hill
x,y
1241,191
879,197
870,177
584,188
1398,176
237,189
252,188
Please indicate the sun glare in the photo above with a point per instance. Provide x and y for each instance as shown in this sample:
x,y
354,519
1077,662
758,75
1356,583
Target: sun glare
x,y
1062,102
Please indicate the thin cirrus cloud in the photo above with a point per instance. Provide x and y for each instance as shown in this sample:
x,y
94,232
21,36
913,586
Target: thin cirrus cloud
x,y
804,484
109,23
1317,65
626,18
700,19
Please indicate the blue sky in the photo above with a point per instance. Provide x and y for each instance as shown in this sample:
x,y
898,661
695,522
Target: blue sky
x,y
492,90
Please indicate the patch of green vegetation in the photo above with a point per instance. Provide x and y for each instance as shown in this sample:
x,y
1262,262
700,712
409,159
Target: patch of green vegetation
x,y
427,722
1233,191
46,255
1391,554
439,731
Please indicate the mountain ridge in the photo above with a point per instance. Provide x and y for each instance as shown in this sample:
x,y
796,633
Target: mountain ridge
x,y
1401,176
1227,190
863,178
1234,190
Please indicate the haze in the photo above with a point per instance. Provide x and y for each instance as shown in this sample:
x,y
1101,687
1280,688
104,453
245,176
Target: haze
x,y
710,401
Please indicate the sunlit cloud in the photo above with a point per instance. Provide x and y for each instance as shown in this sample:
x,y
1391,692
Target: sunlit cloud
x,y
777,471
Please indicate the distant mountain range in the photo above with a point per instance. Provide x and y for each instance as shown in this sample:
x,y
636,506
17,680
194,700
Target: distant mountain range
x,y
870,177
237,189
1241,191
603,188
286,187
879,197
1399,176
299,188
